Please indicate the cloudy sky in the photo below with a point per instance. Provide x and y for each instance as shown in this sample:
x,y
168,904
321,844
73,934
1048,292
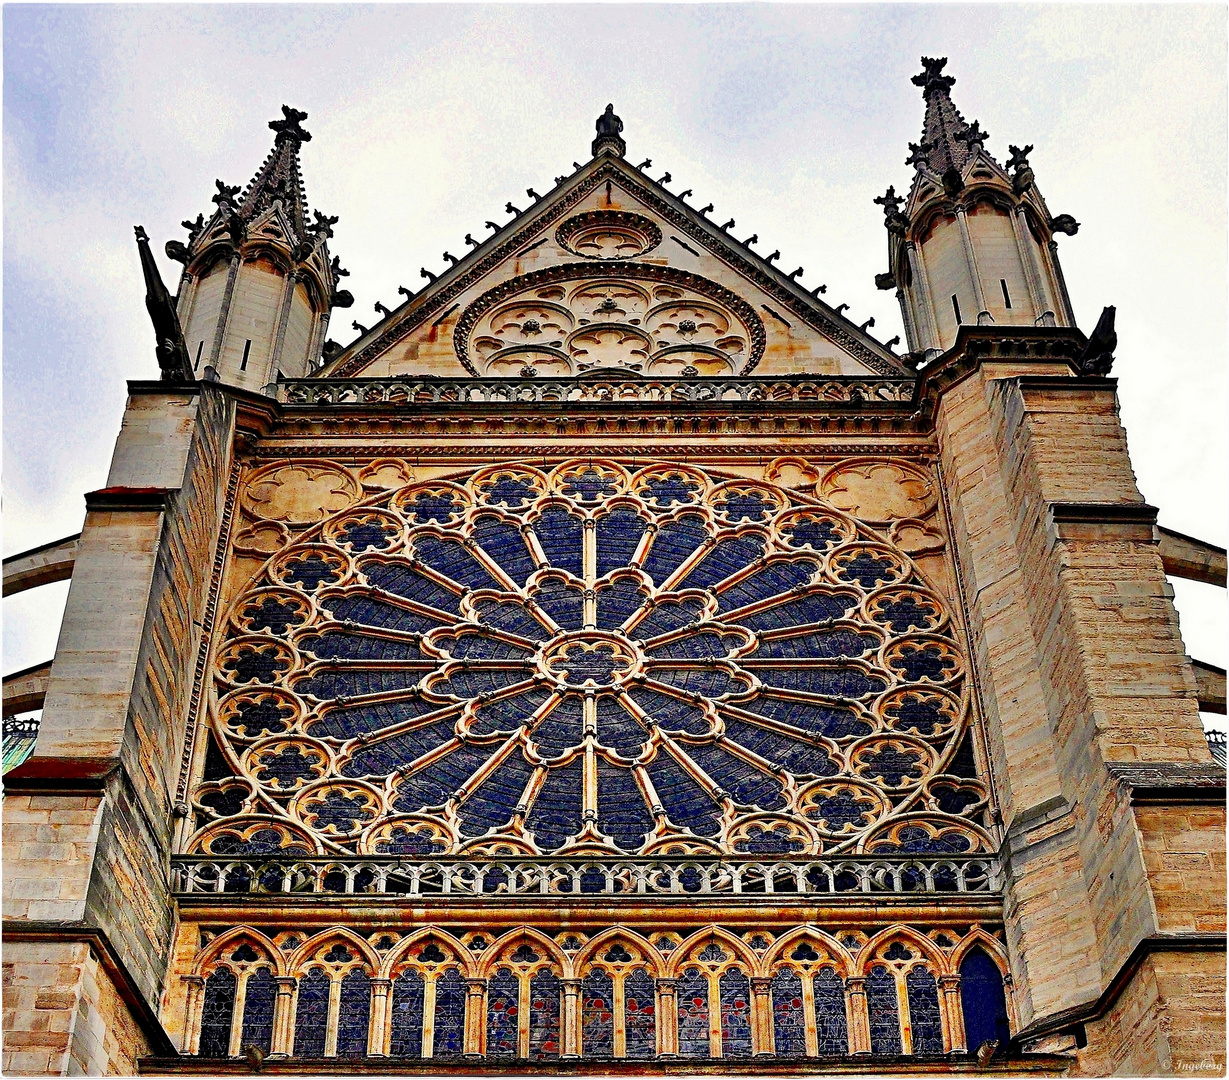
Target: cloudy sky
x,y
427,119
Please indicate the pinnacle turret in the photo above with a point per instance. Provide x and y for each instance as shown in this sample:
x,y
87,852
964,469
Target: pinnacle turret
x,y
947,140
280,177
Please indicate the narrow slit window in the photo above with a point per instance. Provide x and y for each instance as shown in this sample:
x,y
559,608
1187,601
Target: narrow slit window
x,y
199,347
247,348
956,307
1006,294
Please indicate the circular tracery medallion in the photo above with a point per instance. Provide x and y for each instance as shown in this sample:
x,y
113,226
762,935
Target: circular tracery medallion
x,y
594,660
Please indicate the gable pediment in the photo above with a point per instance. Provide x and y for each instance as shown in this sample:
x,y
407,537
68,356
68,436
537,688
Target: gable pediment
x,y
611,271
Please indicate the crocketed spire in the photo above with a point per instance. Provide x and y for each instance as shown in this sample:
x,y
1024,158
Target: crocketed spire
x,y
280,177
947,141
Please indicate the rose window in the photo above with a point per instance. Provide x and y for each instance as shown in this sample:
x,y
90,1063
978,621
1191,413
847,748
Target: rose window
x,y
590,660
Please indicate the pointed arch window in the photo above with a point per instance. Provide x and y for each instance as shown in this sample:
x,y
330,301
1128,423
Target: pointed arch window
x,y
924,1021
311,1019
217,1015
884,1010
983,999
789,1021
831,1022
735,992
597,1020
693,1013
640,1014
544,991
407,1015
260,994
449,1041
502,1015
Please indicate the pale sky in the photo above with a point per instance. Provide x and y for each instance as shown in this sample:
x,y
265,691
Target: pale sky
x,y
428,119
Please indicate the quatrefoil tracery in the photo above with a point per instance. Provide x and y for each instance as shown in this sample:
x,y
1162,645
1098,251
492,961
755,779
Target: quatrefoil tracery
x,y
594,660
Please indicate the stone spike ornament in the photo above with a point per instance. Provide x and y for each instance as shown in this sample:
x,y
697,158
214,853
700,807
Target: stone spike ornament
x,y
172,354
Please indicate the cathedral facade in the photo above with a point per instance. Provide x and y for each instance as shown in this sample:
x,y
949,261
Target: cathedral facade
x,y
615,659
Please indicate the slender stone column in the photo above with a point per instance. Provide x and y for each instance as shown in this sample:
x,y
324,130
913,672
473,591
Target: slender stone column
x,y
859,1018
377,1034
283,319
1066,316
761,1017
475,1016
953,1030
219,335
983,314
667,1018
192,1014
283,1017
1032,275
571,1019
928,333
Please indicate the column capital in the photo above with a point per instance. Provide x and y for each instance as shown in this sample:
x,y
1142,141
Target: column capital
x,y
381,984
285,982
761,984
668,985
856,984
193,980
949,982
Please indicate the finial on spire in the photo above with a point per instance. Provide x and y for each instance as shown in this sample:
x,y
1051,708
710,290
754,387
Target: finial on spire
x,y
608,137
290,127
932,78
972,135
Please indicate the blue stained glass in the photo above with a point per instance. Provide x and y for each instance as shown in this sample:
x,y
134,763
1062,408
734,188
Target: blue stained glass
x,y
563,603
544,1015
823,644
272,615
925,662
884,1011
674,541
407,840
616,603
667,615
449,1015
914,712
362,535
580,664
262,717
701,645
218,1012
914,840
667,490
954,800
426,507
561,728
597,1015
450,558
261,842
621,811
684,800
617,729
892,764
819,533
512,617
692,994
256,665
483,647
556,811
286,767
964,763
311,1014
369,612
406,1020
779,840
746,506
344,813
843,808
258,1011
924,1020
469,684
354,1014
327,685
401,579
432,786
507,714
803,758
670,712
831,1024
502,1015
983,1001
835,681
726,557
388,755
225,802
352,720
589,485
496,799
867,570
311,570
560,534
815,607
789,1024
710,682
640,1014
745,783
342,646
904,613
776,578
618,534
508,489
504,543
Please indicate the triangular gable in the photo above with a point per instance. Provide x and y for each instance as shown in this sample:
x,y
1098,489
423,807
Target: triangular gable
x,y
610,270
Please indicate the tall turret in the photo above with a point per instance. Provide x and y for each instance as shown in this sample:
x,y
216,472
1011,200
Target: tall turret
x,y
258,283
973,242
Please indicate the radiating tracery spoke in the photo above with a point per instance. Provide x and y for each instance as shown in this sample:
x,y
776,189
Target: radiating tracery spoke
x,y
595,660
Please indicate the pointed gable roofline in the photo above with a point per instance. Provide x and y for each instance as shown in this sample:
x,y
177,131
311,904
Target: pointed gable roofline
x,y
608,167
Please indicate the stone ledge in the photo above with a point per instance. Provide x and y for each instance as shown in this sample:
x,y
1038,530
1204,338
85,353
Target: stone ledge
x,y
1103,521
145,499
1172,782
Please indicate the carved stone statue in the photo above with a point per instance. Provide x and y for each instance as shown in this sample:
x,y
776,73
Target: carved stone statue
x,y
1098,355
609,127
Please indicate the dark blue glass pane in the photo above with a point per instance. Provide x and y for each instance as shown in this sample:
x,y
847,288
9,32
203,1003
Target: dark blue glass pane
x,y
675,540
515,618
618,602
816,607
835,681
509,489
822,644
617,729
450,558
311,1014
683,799
406,1020
699,645
560,535
774,579
819,533
469,684
906,612
893,764
347,722
218,1012
565,604
621,811
544,1015
964,763
668,615
745,506
710,682
336,684
831,720
507,714
914,840
496,799
256,665
792,754
789,1018
727,557
346,646
670,712
597,1015
924,662
693,1014
258,1011
867,570
354,1014
272,615
744,782
433,785
983,1001
735,1014
427,506
449,1015
618,533
884,1012
556,811
388,755
504,543
924,1012
484,646
562,727
589,485
311,570
669,490
362,609
831,1026
640,1014
502,1013
400,578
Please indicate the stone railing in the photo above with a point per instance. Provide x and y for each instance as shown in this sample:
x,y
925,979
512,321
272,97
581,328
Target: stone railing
x,y
509,877
473,391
